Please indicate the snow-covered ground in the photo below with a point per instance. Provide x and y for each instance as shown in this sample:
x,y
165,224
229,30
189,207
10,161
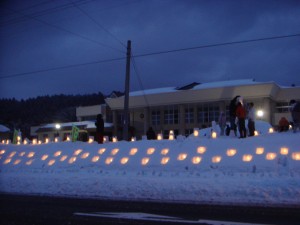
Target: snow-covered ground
x,y
260,170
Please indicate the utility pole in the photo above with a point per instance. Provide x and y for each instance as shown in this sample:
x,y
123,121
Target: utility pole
x,y
126,100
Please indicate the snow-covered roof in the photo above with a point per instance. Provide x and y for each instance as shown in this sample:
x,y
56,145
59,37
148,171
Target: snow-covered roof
x,y
88,124
153,91
4,128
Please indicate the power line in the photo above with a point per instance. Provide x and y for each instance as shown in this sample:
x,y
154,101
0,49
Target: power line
x,y
98,24
217,45
67,31
151,54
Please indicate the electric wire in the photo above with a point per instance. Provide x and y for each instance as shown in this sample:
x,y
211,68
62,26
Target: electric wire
x,y
67,31
98,24
153,53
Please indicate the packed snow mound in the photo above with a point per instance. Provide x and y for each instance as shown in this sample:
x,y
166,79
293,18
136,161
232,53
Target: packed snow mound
x,y
264,169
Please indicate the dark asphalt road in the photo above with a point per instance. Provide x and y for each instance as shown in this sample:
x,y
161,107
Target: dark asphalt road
x,y
33,210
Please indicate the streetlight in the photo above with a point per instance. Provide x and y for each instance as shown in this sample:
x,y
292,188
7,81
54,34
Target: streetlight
x,y
260,113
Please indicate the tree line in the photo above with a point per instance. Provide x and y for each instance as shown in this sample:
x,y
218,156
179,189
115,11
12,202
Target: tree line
x,y
22,114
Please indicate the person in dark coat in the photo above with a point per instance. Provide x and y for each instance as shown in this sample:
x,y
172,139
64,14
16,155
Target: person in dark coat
x,y
251,116
232,113
151,134
99,128
241,115
295,113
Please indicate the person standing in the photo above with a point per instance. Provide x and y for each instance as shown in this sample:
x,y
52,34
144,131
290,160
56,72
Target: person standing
x,y
241,115
232,113
295,113
251,116
151,134
222,123
99,129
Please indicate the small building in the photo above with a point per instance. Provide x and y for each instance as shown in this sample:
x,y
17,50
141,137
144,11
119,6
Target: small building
x,y
4,132
63,130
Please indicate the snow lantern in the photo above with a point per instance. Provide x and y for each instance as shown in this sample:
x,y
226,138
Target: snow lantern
x,y
296,156
284,151
34,141
133,151
63,158
164,151
214,134
58,153
2,152
85,155
105,139
201,149
95,158
133,139
91,139
150,151
114,139
22,153
30,154
164,160
124,160
29,162
44,157
196,132
101,151
51,162
270,156
247,158
72,159
12,154
3,141
109,160
17,161
231,152
25,142
271,130
196,159
77,152
68,138
46,140
39,142
260,150
216,159
256,133
114,151
159,137
182,156
7,161
171,135
145,161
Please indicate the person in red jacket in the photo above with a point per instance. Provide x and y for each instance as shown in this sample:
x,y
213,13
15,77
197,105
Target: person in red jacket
x,y
241,115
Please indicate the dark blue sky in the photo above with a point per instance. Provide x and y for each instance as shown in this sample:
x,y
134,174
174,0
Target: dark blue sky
x,y
58,46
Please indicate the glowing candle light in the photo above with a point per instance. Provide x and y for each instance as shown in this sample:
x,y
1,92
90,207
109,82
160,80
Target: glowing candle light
x,y
39,142
231,152
91,140
150,151
114,139
77,152
171,135
85,155
46,140
164,151
25,142
95,158
216,159
2,152
214,135
58,153
44,157
256,133
284,151
159,137
133,151
72,159
247,158
34,141
145,161
182,156
270,156
165,160
271,130
105,139
196,132
296,156
101,151
7,161
30,154
51,162
124,160
133,139
56,139
260,150
3,141
22,153
68,138
114,151
196,159
109,160
63,158
17,161
12,154
201,149
29,162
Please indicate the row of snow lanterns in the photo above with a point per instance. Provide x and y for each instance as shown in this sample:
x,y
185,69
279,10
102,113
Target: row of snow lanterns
x,y
145,160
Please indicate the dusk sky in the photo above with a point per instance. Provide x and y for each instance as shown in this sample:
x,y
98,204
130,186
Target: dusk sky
x,y
53,47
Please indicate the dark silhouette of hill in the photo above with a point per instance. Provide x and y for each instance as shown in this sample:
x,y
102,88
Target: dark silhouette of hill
x,y
22,114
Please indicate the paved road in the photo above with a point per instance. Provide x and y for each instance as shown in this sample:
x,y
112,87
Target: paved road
x,y
33,210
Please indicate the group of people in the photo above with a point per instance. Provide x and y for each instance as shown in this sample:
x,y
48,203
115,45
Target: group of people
x,y
238,114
